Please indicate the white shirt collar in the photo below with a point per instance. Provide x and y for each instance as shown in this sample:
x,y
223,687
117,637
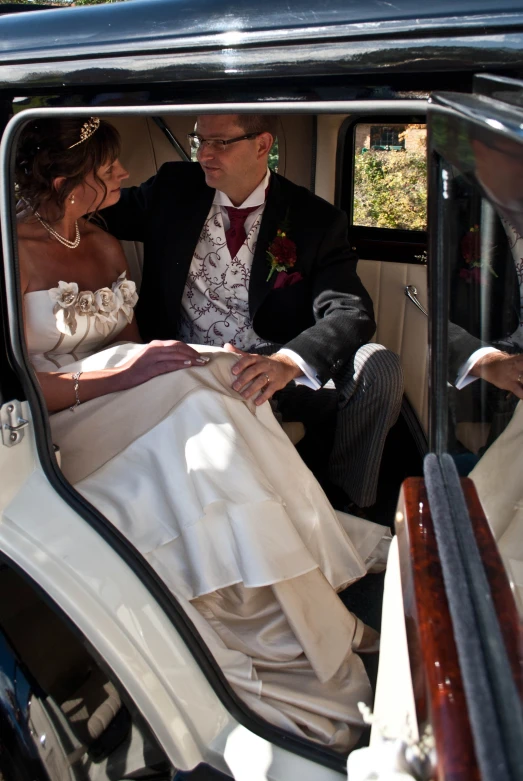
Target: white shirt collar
x,y
256,198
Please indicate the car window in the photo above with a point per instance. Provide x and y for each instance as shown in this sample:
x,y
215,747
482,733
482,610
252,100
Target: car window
x,y
481,235
485,269
383,186
274,156
390,176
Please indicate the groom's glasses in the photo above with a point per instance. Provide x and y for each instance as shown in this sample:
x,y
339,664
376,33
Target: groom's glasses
x,y
215,144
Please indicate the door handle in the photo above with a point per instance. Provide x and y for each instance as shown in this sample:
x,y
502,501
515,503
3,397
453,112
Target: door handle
x,y
412,294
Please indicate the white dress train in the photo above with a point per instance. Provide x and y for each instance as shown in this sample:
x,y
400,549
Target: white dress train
x,y
497,478
211,492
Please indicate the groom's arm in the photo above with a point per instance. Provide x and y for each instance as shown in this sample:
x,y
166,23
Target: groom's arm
x,y
342,310
138,211
129,219
342,307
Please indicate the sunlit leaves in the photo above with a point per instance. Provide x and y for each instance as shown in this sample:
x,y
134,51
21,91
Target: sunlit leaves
x,y
390,189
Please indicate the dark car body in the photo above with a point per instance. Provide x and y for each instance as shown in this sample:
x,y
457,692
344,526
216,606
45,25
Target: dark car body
x,y
372,60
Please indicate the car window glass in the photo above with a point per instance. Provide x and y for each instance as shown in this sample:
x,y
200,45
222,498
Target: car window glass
x,y
390,172
483,241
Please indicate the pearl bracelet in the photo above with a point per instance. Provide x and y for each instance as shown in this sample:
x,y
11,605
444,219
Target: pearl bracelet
x,y
76,379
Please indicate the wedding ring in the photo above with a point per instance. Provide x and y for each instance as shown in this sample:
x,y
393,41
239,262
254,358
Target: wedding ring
x,y
269,379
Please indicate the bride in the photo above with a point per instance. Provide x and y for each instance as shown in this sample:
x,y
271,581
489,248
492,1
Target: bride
x,y
203,483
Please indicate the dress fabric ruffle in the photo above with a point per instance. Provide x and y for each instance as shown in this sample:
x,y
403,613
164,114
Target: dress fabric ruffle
x,y
498,482
211,492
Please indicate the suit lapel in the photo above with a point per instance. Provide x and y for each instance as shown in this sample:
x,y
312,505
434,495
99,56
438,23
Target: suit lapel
x,y
273,216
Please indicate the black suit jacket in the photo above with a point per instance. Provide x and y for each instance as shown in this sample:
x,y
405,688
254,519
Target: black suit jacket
x,y
324,318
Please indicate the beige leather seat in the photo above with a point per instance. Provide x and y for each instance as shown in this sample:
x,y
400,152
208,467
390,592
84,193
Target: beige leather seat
x,y
401,326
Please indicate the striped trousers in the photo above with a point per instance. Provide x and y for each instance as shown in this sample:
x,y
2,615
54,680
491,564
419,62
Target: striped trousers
x,y
364,399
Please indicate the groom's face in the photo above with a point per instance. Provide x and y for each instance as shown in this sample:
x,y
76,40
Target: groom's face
x,y
234,165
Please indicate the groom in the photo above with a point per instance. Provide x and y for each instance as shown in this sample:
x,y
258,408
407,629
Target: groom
x,y
238,256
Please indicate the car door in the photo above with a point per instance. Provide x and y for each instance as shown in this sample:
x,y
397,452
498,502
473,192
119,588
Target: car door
x,y
459,530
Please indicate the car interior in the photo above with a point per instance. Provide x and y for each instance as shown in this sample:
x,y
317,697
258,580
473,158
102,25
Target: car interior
x,y
319,152
314,153
97,734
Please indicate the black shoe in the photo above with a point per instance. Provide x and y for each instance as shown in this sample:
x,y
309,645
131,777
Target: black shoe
x,y
360,512
340,501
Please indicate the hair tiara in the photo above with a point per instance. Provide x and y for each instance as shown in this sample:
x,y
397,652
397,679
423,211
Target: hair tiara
x,y
87,130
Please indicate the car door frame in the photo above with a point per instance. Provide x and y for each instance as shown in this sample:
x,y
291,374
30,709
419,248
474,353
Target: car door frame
x,y
44,452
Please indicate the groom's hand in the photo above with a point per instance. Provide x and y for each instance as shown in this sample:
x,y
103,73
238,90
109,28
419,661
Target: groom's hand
x,y
261,375
502,370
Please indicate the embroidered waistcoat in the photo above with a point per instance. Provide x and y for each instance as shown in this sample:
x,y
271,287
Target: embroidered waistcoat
x,y
215,302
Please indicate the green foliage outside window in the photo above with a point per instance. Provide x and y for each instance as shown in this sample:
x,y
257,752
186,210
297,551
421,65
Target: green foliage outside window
x,y
274,157
390,189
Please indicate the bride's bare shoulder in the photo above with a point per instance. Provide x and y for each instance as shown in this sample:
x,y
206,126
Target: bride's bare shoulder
x,y
27,225
104,244
96,233
30,238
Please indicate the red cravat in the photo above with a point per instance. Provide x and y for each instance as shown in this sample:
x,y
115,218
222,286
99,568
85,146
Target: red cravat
x,y
235,235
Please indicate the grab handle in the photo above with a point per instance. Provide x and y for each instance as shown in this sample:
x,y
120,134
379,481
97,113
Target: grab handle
x,y
412,294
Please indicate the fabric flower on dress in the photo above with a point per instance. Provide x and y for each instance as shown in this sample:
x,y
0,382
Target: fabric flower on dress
x,y
107,310
85,303
65,297
65,294
126,295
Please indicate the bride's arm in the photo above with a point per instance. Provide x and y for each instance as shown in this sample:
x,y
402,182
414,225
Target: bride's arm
x,y
59,387
158,357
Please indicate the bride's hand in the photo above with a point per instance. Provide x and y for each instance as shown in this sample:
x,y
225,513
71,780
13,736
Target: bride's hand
x,y
158,357
153,359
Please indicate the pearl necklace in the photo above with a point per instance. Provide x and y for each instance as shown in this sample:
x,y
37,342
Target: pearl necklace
x,y
71,244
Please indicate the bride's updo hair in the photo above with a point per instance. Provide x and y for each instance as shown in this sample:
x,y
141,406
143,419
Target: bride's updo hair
x,y
49,148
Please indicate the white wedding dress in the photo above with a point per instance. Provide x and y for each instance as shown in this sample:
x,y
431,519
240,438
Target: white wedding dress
x,y
212,493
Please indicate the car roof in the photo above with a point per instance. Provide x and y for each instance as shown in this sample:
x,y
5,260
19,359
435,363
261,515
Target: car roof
x,y
137,25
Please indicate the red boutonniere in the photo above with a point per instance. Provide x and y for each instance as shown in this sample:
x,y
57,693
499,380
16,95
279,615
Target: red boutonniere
x,y
282,250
